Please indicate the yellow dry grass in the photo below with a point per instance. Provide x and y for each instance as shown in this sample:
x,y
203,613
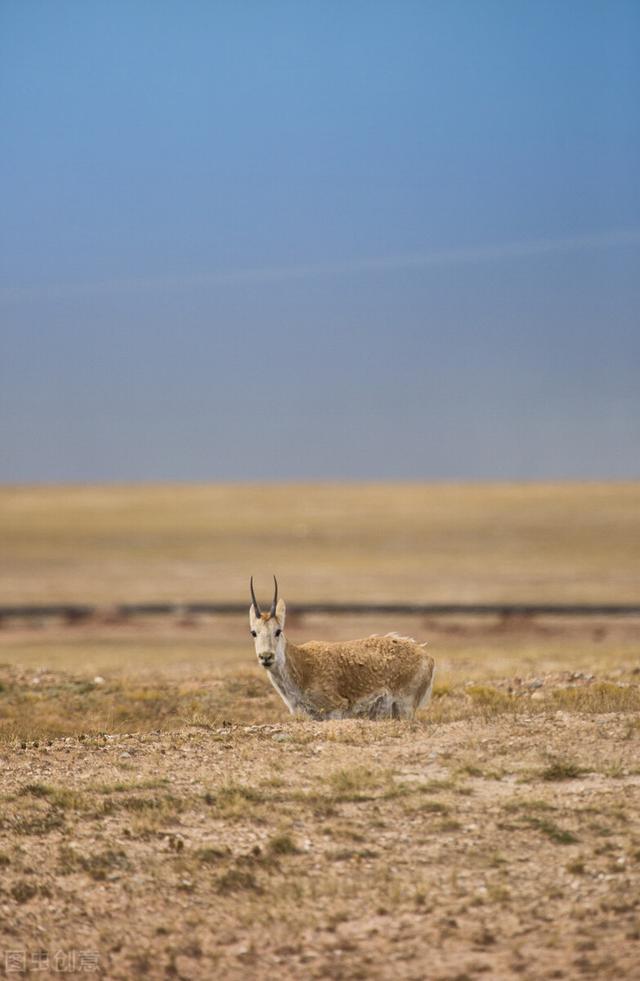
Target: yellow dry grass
x,y
413,542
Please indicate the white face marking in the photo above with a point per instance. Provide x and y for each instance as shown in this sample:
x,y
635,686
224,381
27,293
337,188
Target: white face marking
x,y
268,638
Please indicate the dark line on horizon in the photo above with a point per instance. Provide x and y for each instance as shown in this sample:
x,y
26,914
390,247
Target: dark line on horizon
x,y
75,612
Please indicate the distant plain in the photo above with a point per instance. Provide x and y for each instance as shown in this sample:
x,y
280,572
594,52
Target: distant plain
x,y
574,542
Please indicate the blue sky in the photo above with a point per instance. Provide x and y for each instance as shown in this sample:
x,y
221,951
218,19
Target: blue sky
x,y
319,240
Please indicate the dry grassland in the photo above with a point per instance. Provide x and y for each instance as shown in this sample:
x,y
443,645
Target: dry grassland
x,y
413,542
172,820
162,816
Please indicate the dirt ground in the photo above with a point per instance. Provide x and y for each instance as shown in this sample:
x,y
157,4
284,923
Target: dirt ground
x,y
186,827
162,816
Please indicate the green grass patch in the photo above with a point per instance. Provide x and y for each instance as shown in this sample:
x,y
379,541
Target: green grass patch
x,y
551,830
98,865
283,844
527,804
211,855
432,807
562,769
237,880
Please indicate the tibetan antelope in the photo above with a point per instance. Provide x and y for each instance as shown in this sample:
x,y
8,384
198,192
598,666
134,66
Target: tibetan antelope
x,y
373,678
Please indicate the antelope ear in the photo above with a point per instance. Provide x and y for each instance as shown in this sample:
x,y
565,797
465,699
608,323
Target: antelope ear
x,y
253,619
281,610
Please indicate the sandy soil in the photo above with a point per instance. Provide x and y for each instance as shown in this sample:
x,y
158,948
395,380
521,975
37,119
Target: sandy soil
x,y
504,846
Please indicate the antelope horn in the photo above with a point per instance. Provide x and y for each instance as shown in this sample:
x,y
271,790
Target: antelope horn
x,y
272,611
254,600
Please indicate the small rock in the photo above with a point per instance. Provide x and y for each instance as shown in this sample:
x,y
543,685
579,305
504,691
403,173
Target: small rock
x,y
536,683
98,680
281,737
125,756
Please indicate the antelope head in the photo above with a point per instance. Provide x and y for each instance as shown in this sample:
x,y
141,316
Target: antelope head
x,y
266,628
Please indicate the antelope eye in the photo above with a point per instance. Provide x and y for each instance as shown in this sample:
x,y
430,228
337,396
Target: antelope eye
x,y
278,632
253,633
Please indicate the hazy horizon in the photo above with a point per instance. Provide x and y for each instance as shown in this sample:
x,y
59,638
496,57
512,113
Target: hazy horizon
x,y
319,482
363,242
